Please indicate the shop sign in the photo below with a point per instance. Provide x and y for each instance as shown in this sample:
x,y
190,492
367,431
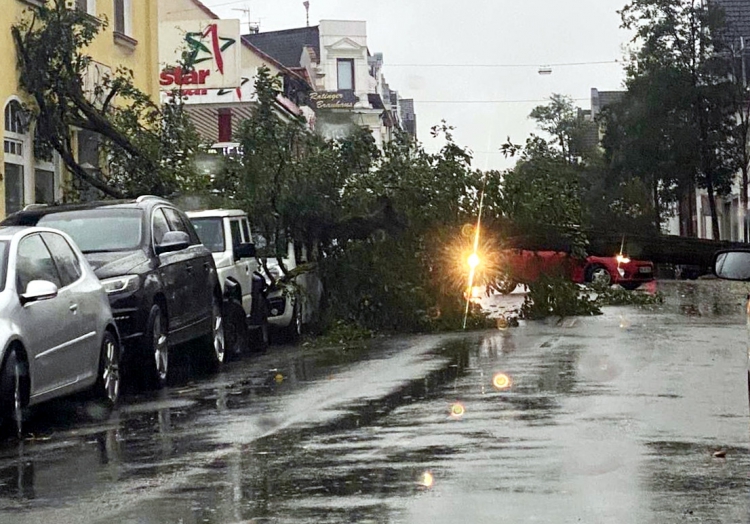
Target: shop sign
x,y
333,100
200,54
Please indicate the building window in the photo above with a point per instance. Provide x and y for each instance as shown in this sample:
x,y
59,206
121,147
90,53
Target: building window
x,y
87,6
17,150
44,186
345,74
14,119
13,188
122,17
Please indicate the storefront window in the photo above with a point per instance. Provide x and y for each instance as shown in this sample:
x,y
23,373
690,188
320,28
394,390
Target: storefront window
x,y
17,152
44,187
13,188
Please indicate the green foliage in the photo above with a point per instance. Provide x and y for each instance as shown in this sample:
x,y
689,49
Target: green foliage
x,y
560,118
617,296
676,128
148,147
541,195
559,297
343,333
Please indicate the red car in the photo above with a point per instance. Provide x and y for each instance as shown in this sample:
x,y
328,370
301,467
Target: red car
x,y
528,266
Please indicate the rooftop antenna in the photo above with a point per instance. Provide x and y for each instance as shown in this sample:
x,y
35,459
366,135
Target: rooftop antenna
x,y
252,27
307,10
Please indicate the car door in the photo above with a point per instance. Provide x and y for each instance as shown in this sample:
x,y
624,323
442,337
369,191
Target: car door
x,y
173,273
246,266
85,305
52,328
196,263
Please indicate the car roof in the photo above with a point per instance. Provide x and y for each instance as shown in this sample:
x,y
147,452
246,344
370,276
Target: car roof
x,y
217,213
31,215
8,232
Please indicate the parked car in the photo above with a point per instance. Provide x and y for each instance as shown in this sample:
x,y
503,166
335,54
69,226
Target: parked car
x,y
226,233
735,265
294,302
527,266
57,332
619,269
161,281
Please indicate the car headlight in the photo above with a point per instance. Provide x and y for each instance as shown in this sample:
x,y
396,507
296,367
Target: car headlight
x,y
124,284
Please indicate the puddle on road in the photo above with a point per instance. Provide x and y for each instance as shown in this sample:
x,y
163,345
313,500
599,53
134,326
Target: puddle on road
x,y
687,474
344,469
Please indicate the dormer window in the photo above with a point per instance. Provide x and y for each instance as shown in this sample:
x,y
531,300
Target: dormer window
x,y
345,71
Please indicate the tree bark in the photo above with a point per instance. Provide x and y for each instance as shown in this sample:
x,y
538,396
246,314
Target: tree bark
x,y
716,233
657,210
743,203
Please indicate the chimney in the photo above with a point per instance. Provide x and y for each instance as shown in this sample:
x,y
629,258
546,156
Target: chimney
x,y
307,10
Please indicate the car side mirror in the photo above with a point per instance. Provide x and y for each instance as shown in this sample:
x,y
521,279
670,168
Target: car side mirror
x,y
732,265
173,241
244,251
39,290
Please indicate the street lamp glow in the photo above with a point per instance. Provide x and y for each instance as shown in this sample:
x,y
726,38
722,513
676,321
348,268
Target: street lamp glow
x,y
473,261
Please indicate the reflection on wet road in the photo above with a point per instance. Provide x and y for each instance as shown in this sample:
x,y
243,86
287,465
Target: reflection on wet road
x,y
636,416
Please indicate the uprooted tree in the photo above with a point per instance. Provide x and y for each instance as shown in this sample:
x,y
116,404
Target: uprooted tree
x,y
391,229
144,146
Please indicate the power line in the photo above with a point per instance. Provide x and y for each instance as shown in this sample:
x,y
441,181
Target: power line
x,y
530,101
561,64
225,3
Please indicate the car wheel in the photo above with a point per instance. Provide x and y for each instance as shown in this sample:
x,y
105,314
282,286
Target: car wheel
x,y
598,274
235,334
107,386
260,333
14,393
505,285
218,341
157,348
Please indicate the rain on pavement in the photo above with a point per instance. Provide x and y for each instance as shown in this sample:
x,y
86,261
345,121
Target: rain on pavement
x,y
607,419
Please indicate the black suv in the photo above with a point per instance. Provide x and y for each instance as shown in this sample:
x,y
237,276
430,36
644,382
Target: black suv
x,y
161,280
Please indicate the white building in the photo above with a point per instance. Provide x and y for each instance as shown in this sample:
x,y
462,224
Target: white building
x,y
348,83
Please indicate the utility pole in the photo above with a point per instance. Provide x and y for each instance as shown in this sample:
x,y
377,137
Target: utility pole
x,y
307,10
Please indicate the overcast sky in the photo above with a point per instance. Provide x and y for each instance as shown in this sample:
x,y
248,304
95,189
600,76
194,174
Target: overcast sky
x,y
412,33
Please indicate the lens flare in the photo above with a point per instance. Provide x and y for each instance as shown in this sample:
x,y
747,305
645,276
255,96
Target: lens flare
x,y
427,480
473,261
457,410
501,381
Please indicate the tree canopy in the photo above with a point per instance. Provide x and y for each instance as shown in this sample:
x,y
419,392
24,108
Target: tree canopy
x,y
144,146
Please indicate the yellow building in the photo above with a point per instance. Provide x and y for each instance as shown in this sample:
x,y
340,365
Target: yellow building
x,y
130,40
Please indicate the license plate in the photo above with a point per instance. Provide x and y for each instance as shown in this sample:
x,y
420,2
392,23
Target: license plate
x,y
644,269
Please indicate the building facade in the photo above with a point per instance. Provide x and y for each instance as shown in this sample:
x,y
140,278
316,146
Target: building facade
x,y
130,40
218,112
349,88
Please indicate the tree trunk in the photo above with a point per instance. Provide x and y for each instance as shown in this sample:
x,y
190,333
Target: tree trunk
x,y
657,205
714,214
743,203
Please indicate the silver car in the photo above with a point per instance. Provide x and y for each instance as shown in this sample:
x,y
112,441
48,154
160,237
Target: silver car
x,y
57,334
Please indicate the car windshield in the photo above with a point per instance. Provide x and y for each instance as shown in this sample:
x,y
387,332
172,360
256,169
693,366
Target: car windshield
x,y
100,230
211,233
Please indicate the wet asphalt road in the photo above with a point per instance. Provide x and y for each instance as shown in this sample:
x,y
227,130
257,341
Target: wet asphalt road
x,y
607,420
